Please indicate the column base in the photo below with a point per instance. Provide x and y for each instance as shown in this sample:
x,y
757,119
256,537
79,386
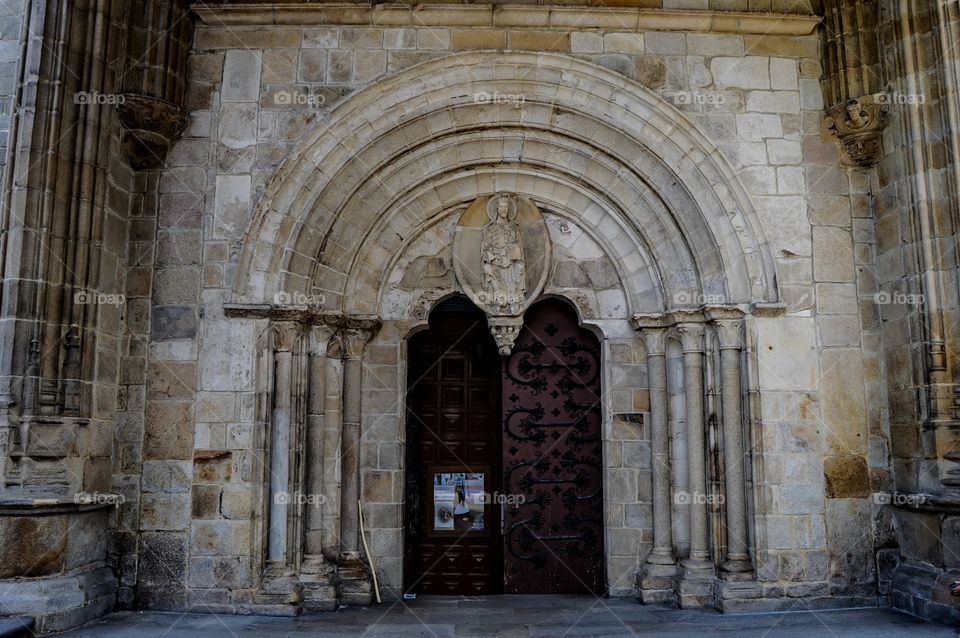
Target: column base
x,y
281,593
696,584
356,587
319,580
738,596
740,569
656,584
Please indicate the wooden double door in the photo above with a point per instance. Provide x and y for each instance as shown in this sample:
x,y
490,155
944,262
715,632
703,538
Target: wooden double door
x,y
504,457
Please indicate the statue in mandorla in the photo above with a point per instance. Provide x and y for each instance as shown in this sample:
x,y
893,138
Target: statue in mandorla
x,y
501,248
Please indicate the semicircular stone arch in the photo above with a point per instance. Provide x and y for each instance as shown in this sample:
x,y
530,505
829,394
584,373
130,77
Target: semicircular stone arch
x,y
604,158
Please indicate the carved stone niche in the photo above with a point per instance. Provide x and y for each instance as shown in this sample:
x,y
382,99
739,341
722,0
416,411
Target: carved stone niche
x,y
858,124
501,258
150,125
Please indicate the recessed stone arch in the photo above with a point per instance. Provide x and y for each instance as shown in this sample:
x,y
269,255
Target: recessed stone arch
x,y
397,153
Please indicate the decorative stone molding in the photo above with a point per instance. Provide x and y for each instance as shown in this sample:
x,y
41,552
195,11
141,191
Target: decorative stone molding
x,y
858,124
492,15
150,126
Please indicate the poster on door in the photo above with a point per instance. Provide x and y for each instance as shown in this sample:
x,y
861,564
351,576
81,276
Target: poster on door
x,y
458,499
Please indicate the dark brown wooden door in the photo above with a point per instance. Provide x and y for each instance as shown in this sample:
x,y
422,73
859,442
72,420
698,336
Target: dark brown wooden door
x,y
453,541
552,456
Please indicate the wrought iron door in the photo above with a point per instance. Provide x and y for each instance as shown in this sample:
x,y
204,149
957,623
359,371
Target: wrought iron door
x,y
552,456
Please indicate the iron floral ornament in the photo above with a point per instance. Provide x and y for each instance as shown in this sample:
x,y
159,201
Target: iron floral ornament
x,y
501,252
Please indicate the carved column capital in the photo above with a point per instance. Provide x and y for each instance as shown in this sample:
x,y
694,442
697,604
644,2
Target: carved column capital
x,y
729,323
858,124
655,341
730,334
320,335
357,331
691,336
284,335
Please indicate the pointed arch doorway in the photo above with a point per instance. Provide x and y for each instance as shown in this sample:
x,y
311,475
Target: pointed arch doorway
x,y
504,456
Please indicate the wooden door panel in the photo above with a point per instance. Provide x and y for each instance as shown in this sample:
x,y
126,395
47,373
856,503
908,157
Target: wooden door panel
x,y
551,393
453,427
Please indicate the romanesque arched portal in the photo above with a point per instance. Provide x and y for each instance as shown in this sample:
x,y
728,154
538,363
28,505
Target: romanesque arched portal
x,y
645,227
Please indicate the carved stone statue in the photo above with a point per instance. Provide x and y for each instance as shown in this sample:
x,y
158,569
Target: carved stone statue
x,y
501,249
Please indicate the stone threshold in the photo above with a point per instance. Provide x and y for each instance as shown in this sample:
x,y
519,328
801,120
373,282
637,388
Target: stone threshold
x,y
549,17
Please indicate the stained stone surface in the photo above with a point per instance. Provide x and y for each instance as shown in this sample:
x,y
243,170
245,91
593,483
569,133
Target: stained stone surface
x,y
546,616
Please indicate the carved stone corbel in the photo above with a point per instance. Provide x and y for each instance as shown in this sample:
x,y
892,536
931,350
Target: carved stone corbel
x,y
150,126
505,331
858,124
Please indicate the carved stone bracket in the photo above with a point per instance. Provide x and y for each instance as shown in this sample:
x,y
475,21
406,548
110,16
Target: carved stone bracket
x,y
858,124
150,126
505,331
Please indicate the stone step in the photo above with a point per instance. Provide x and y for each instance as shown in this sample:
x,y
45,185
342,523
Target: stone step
x,y
16,626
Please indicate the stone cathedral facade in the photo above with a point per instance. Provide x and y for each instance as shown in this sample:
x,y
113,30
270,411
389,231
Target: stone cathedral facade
x,y
656,299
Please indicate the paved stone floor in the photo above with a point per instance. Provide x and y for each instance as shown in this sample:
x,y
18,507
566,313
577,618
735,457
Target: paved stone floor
x,y
508,616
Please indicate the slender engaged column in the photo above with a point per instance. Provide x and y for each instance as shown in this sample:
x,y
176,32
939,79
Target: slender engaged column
x,y
662,552
657,580
691,338
730,336
355,336
284,335
316,406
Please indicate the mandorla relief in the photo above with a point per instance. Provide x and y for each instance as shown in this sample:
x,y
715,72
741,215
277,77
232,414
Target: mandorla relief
x,y
501,252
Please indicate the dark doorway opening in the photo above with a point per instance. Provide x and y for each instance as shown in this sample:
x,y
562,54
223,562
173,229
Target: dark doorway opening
x,y
504,456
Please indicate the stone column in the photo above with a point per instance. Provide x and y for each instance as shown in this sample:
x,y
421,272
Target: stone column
x,y
316,405
316,574
657,579
730,336
357,332
284,335
695,587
